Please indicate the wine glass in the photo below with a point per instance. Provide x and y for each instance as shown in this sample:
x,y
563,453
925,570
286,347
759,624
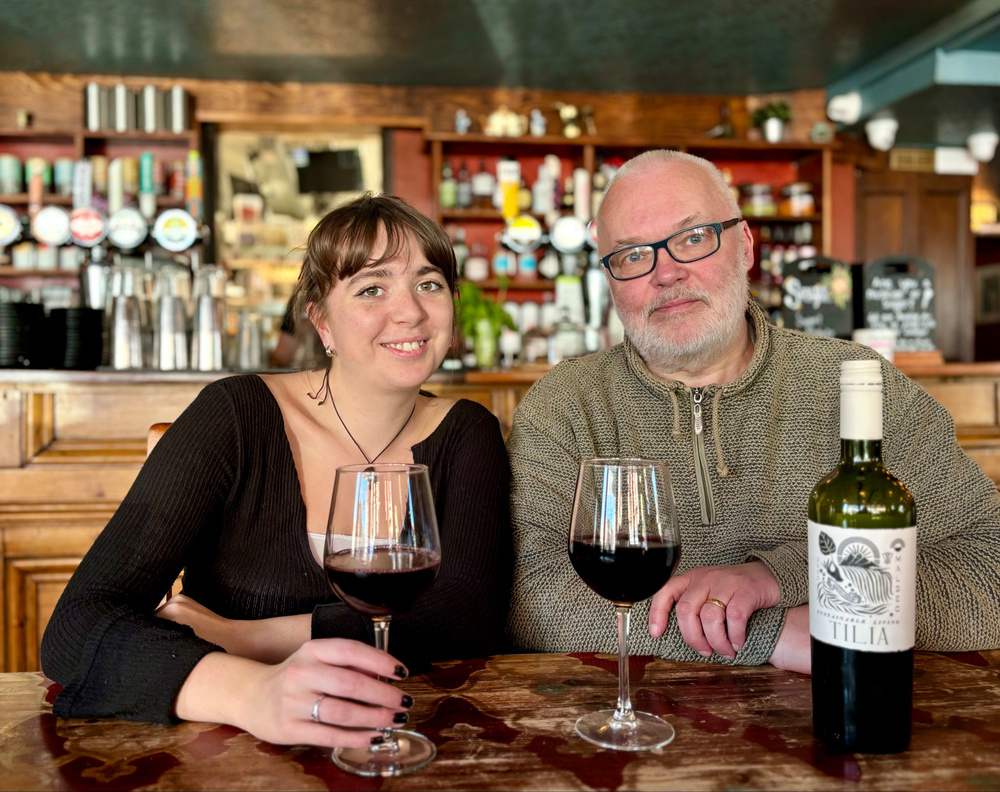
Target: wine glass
x,y
624,543
382,555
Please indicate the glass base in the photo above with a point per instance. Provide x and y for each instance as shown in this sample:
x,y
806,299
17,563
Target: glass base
x,y
644,733
409,752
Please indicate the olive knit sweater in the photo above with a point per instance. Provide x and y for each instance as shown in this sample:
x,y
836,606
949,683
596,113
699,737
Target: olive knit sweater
x,y
768,438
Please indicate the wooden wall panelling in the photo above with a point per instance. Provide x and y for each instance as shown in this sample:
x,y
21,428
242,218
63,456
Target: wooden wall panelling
x,y
944,238
973,403
11,429
56,101
84,413
34,586
926,215
39,417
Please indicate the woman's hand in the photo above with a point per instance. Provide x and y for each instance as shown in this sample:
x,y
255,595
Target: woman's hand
x,y
793,652
713,605
265,640
333,676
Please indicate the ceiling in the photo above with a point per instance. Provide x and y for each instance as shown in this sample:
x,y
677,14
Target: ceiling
x,y
659,46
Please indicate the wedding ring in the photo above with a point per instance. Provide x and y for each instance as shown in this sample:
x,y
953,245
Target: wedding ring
x,y
716,602
315,712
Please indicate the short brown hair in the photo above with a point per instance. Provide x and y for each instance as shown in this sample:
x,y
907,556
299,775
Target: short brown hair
x,y
342,242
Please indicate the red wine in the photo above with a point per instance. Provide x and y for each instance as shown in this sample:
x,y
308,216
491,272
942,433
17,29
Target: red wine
x,y
388,581
624,574
862,700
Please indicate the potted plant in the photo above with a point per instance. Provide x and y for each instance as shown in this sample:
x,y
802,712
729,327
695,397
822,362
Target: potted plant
x,y
771,119
481,320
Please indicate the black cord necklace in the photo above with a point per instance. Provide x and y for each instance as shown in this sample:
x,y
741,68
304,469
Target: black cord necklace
x,y
372,460
325,386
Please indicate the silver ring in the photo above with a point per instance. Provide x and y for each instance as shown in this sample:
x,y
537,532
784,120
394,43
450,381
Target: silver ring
x,y
315,712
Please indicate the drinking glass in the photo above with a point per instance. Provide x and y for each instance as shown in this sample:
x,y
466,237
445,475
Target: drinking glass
x,y
382,555
624,543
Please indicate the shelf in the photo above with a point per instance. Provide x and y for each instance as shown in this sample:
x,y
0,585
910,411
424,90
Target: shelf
x,y
247,263
16,272
523,140
38,134
602,141
480,214
782,218
188,136
47,198
514,285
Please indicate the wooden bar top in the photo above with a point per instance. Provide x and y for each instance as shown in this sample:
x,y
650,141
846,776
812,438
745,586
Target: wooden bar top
x,y
507,723
519,375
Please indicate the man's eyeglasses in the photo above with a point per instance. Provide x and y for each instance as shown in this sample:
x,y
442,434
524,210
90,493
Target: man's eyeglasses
x,y
687,245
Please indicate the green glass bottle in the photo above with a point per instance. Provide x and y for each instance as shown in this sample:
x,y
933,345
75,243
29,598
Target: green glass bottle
x,y
862,583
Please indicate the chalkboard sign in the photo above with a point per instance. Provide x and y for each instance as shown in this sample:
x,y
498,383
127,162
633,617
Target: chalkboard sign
x,y
899,294
817,297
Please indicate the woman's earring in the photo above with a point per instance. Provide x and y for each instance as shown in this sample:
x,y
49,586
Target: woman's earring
x,y
329,352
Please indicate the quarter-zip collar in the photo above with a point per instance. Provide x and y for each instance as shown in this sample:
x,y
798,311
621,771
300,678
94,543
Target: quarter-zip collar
x,y
760,327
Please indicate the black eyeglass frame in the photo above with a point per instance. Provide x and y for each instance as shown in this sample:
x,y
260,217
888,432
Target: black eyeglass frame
x,y
662,244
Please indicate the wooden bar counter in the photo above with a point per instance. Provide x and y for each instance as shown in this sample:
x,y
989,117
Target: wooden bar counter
x,y
71,443
507,723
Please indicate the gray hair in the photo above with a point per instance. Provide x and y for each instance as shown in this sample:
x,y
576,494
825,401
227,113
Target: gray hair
x,y
651,160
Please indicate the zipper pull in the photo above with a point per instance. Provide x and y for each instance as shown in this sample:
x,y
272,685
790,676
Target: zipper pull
x,y
696,395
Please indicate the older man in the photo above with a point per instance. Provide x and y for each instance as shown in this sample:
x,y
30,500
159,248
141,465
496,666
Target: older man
x,y
747,417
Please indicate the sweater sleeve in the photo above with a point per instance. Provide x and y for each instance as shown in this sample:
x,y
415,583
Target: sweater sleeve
x,y
463,613
958,522
113,657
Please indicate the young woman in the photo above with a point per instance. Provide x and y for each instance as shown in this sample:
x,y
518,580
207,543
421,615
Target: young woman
x,y
237,493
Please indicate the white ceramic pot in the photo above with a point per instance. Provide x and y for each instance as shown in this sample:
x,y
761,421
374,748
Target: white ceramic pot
x,y
774,130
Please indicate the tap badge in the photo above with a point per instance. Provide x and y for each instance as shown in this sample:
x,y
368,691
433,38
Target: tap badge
x,y
853,577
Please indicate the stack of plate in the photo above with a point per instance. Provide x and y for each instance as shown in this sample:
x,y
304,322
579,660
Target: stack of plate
x,y
75,338
22,329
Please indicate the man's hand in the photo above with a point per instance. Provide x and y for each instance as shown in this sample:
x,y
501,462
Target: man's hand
x,y
704,624
792,652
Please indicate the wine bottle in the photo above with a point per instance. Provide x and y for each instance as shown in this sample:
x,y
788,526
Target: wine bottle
x,y
862,581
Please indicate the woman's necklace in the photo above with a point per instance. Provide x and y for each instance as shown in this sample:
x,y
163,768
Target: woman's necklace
x,y
372,460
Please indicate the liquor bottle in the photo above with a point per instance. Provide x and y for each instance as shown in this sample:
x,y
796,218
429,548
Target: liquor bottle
x,y
448,189
461,251
483,184
463,190
862,583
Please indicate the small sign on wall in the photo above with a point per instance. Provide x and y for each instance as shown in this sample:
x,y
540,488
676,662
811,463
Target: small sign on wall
x,y
817,297
899,294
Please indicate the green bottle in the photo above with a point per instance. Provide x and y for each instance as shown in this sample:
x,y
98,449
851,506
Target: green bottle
x,y
862,583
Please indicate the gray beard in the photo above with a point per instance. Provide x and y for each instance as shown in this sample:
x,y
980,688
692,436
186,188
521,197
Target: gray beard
x,y
715,333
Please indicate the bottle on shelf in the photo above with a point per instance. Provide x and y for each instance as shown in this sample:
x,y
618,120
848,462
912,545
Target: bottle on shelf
x,y
463,188
599,184
567,201
543,192
448,188
862,583
523,196
548,266
504,262
483,186
477,266
461,250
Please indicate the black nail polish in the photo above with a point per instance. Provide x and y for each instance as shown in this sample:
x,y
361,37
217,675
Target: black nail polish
x,y
401,672
407,702
378,740
400,717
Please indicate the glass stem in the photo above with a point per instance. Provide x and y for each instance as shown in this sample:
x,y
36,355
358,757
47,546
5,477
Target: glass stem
x,y
623,712
381,625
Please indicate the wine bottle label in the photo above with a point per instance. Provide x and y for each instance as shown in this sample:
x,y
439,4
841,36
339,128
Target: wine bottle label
x,y
862,587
